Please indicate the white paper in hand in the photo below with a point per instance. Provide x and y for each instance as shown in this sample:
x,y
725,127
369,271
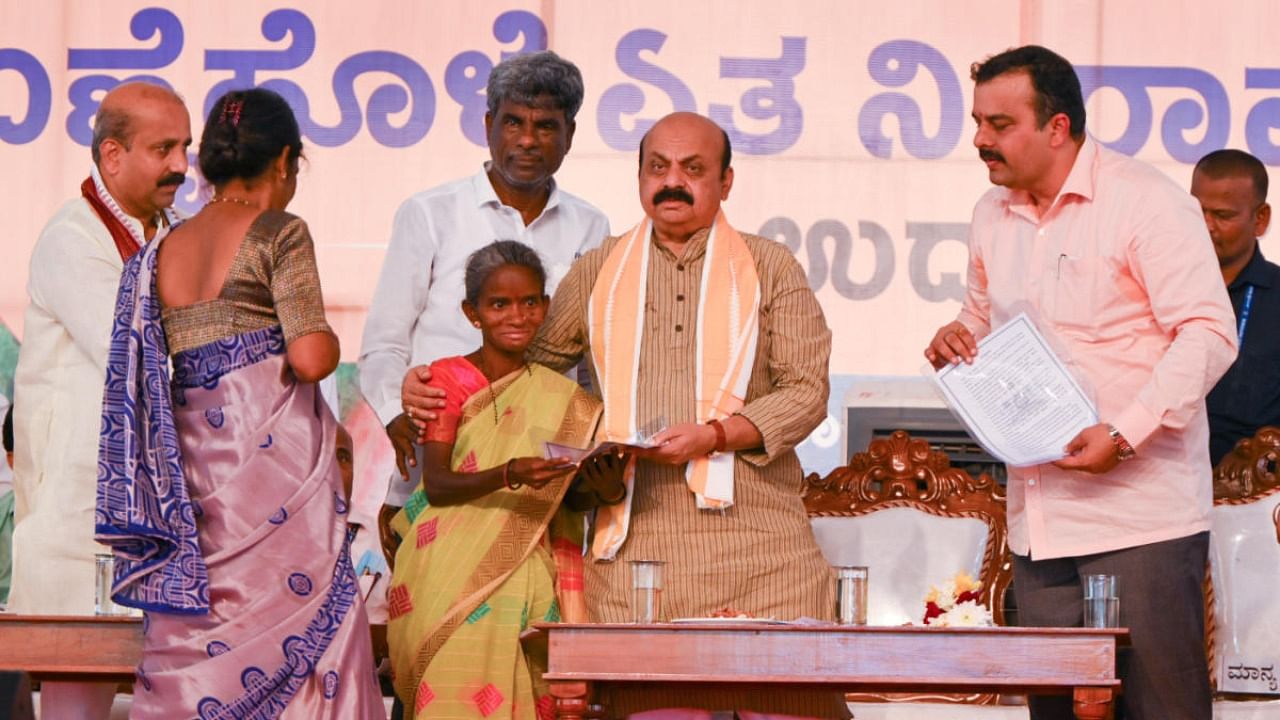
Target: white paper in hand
x,y
1017,398
643,439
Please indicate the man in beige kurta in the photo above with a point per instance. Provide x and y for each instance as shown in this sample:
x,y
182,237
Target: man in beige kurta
x,y
757,555
140,140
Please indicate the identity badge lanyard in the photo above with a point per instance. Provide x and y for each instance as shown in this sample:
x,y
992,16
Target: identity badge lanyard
x,y
1244,315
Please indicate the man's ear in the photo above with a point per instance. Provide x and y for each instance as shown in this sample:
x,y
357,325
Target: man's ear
x,y
109,152
1059,129
726,183
1261,220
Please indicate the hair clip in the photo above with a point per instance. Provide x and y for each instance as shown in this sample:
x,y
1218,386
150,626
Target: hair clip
x,y
231,108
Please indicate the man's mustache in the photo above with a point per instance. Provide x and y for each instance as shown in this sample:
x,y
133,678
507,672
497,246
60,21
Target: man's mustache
x,y
175,179
674,193
990,155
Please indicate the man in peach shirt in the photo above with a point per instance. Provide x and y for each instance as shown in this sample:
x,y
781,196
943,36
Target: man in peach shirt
x,y
1112,261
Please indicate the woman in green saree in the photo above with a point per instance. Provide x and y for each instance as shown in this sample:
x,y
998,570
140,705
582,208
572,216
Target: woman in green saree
x,y
487,546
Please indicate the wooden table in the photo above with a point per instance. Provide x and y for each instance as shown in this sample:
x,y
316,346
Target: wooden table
x,y
87,648
887,659
60,647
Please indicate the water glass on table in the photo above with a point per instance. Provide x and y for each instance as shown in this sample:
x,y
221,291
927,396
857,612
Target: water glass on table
x,y
646,591
104,576
1101,602
851,595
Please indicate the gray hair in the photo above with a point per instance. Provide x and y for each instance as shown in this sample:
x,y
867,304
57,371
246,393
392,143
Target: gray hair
x,y
485,261
110,125
524,79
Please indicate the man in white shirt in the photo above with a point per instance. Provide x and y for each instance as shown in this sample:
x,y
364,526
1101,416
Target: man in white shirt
x,y
140,139
416,315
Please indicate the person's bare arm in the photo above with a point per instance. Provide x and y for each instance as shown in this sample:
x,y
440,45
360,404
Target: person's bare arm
x,y
313,356
444,487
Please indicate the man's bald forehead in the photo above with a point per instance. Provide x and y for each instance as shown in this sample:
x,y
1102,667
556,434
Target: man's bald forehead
x,y
687,120
126,94
696,123
118,109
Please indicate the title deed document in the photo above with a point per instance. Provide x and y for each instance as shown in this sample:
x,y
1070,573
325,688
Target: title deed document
x,y
1017,398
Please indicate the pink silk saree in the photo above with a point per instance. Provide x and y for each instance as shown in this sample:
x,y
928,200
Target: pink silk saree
x,y
260,616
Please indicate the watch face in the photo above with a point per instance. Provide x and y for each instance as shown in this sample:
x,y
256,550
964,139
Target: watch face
x,y
1124,450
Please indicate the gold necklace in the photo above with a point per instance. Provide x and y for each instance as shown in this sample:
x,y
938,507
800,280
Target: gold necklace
x,y
229,199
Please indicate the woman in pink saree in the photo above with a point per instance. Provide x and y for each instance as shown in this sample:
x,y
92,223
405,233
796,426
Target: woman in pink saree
x,y
219,491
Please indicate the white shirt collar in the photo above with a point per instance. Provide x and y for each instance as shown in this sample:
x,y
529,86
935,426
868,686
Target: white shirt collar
x,y
168,216
486,195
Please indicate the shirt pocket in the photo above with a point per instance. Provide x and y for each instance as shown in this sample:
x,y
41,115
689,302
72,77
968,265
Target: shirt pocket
x,y
1079,291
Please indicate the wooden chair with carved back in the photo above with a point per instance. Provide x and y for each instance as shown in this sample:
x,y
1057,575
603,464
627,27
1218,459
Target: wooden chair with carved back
x,y
913,520
1242,628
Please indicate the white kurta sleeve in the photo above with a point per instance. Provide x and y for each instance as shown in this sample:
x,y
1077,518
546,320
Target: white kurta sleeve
x,y
398,302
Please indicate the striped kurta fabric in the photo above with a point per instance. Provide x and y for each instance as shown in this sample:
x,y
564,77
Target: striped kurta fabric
x,y
758,555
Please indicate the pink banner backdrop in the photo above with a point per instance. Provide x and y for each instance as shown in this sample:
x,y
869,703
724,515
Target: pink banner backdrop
x,y
849,120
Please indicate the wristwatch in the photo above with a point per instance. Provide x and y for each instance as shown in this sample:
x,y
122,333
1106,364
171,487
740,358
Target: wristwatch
x,y
1124,450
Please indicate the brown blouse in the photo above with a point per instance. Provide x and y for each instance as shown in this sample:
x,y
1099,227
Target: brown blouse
x,y
272,280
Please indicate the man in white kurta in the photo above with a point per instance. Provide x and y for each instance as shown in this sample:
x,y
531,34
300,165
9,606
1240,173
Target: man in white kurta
x,y
416,314
140,141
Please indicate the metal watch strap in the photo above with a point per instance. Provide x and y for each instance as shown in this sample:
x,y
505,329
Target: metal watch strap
x,y
1124,450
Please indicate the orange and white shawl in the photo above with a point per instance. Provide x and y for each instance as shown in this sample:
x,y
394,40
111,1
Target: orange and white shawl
x,y
725,341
